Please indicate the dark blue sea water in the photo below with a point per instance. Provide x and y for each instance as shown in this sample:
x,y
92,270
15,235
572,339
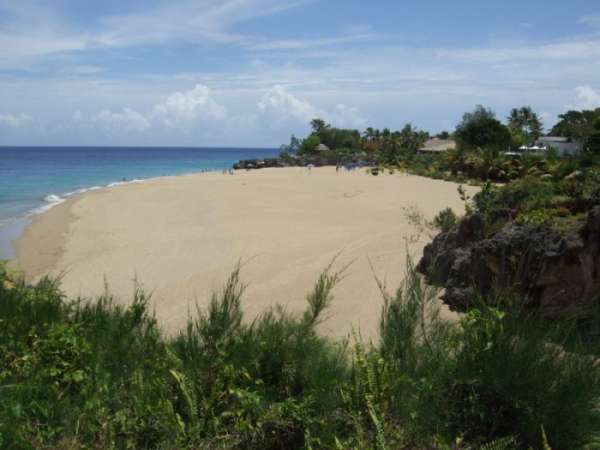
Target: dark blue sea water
x,y
35,178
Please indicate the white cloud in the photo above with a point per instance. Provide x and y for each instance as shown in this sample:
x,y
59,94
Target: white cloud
x,y
278,103
348,116
185,108
180,110
81,70
586,98
189,21
296,44
30,31
584,49
125,120
15,120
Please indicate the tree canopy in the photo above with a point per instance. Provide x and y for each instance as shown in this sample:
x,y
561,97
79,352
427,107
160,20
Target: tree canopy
x,y
577,125
481,129
524,124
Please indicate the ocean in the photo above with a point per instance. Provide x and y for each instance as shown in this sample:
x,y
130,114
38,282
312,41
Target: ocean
x,y
33,179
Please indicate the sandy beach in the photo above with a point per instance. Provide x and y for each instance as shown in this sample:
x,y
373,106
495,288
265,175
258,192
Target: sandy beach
x,y
180,237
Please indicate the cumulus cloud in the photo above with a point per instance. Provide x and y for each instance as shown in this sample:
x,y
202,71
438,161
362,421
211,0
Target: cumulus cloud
x,y
281,105
586,98
125,120
15,120
348,116
182,109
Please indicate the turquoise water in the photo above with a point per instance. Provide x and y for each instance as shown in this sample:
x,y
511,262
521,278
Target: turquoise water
x,y
32,179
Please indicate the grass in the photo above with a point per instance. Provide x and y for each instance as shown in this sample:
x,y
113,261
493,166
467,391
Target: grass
x,y
93,374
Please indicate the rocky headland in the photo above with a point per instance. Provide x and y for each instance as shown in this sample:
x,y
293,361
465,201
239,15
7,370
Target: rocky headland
x,y
556,272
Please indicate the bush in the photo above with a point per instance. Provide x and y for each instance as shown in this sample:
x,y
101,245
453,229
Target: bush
x,y
538,217
98,375
445,220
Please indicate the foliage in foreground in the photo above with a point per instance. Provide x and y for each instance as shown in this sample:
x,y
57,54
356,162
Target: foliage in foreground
x,y
98,375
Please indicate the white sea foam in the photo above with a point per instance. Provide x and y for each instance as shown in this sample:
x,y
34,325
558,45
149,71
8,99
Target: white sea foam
x,y
53,199
121,183
83,190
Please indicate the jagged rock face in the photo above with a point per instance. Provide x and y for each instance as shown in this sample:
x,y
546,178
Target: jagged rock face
x,y
557,273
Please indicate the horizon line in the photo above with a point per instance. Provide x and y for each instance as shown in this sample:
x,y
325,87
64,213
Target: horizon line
x,y
138,147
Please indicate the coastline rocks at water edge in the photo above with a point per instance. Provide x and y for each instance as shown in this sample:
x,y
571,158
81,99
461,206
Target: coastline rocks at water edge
x,y
258,163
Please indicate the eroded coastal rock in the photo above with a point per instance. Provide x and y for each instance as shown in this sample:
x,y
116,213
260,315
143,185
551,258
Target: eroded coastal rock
x,y
258,163
559,273
329,158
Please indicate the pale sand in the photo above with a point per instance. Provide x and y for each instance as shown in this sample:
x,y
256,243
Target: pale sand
x,y
181,237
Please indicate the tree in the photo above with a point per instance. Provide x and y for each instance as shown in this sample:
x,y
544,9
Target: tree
x,y
310,143
593,142
293,147
481,129
369,134
319,125
525,124
577,125
411,138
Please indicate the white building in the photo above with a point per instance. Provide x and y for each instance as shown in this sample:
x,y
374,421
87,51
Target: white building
x,y
564,146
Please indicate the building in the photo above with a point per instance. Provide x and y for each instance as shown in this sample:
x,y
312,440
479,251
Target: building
x,y
564,146
436,145
321,148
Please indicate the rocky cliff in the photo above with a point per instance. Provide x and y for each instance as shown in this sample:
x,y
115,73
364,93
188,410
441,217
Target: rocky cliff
x,y
558,273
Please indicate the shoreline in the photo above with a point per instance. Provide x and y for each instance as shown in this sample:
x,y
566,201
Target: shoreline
x,y
23,221
181,236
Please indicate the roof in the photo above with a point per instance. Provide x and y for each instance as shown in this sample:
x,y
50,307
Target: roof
x,y
554,139
438,145
321,148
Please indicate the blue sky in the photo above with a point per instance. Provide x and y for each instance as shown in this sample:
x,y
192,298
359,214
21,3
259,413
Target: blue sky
x,y
252,72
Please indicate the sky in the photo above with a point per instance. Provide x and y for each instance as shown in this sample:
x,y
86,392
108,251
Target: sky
x,y
252,72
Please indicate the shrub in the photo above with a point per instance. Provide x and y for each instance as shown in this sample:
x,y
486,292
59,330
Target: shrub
x,y
538,217
95,374
445,220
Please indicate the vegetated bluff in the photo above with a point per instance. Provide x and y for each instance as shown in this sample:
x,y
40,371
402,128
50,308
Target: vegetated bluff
x,y
559,273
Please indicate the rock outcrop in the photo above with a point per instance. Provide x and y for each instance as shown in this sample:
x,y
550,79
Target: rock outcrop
x,y
322,159
558,273
258,163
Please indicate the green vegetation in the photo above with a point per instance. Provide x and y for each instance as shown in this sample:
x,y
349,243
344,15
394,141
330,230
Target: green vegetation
x,y
555,203
481,154
576,124
524,126
88,373
78,374
479,129
376,147
445,220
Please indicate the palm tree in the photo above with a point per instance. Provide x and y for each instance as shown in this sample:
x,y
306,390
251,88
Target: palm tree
x,y
369,134
525,121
